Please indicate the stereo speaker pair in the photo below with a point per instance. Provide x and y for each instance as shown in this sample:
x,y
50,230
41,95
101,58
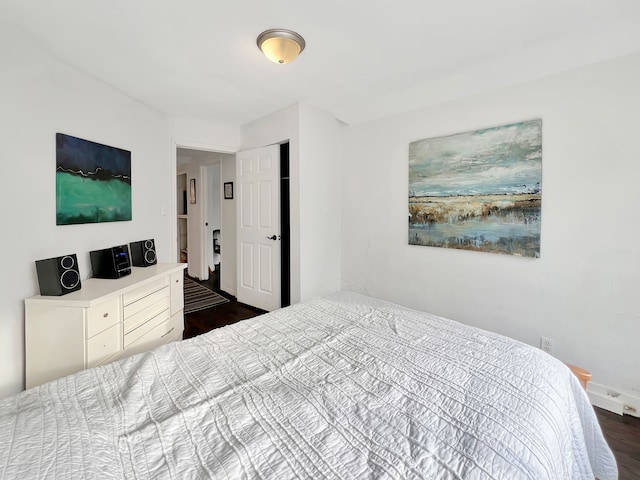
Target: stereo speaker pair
x,y
59,275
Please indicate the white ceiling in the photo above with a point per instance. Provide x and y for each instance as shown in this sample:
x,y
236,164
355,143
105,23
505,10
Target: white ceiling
x,y
364,59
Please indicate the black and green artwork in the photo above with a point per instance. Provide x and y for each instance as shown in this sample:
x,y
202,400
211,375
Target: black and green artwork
x,y
93,182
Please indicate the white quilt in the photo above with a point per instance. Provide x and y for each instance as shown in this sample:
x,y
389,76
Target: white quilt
x,y
341,387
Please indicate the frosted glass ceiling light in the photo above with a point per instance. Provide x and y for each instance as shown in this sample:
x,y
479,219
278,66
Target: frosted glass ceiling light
x,y
280,45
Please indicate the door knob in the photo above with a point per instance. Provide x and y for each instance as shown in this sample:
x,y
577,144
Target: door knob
x,y
272,237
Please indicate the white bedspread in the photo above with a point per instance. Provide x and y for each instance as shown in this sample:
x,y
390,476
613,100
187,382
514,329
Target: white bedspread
x,y
342,387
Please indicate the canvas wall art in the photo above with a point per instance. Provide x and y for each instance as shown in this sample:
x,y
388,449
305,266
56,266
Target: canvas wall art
x,y
93,182
479,190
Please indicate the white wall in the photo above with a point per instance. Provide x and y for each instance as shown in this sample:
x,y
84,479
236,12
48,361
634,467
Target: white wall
x,y
41,96
320,202
214,211
583,291
204,135
315,155
228,229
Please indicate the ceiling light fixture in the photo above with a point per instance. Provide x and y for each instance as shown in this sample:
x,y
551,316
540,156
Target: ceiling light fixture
x,y
280,45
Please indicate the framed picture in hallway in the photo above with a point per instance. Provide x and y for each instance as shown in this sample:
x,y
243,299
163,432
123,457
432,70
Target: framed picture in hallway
x,y
192,191
228,190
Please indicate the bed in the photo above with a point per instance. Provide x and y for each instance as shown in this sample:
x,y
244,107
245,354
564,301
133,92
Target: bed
x,y
339,387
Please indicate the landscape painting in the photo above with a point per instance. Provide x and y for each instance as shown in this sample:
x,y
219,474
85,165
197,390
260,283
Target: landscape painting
x,y
93,182
479,190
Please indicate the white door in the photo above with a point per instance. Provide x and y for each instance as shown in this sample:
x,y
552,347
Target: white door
x,y
258,226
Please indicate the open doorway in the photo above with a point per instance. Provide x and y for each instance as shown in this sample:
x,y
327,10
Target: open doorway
x,y
203,215
200,243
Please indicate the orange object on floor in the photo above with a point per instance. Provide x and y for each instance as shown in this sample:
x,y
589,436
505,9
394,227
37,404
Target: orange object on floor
x,y
583,375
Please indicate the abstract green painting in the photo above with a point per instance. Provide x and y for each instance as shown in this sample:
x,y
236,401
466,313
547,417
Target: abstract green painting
x,y
93,182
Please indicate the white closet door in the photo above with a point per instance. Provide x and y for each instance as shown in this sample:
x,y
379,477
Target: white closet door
x,y
258,224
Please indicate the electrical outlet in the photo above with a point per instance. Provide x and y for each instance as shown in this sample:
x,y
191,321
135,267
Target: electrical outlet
x,y
546,345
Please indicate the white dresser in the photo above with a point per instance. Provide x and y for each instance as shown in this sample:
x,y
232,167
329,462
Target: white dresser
x,y
104,321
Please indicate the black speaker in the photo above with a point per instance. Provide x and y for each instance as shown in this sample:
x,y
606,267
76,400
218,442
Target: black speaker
x,y
111,262
143,253
59,275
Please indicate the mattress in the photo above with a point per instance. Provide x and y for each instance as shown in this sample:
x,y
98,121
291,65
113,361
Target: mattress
x,y
339,387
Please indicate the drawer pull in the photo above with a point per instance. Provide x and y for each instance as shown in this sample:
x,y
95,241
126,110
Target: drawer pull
x,y
178,280
105,315
172,329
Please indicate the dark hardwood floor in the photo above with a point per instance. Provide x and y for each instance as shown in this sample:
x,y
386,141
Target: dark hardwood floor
x,y
622,432
197,323
203,321
623,435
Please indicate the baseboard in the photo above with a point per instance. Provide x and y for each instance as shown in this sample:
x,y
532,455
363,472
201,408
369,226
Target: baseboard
x,y
610,399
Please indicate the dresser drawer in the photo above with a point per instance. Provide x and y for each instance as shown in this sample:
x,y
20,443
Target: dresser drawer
x,y
145,302
145,328
169,331
104,345
146,289
143,316
102,316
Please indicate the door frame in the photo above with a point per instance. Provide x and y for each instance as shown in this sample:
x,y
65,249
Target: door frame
x,y
294,272
173,210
